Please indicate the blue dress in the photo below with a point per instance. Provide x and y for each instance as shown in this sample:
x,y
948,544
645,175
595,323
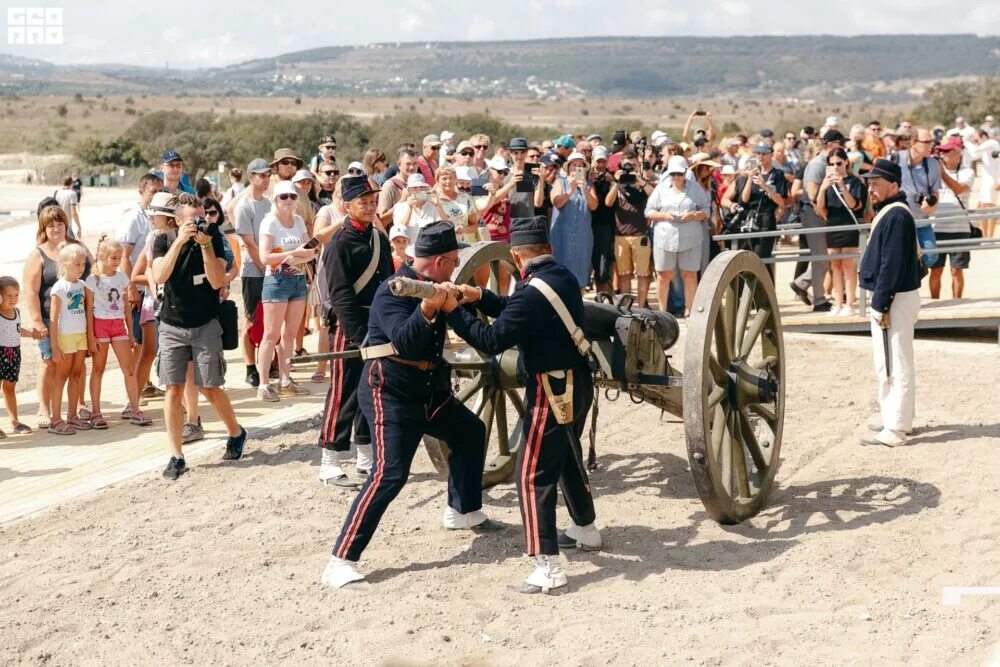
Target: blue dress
x,y
571,236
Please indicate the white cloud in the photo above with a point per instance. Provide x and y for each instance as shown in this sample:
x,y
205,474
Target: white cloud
x,y
480,28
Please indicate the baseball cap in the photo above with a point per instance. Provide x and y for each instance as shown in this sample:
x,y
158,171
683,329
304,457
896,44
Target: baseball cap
x,y
397,232
831,120
618,138
284,188
302,175
170,156
432,140
497,164
416,181
577,156
564,141
356,166
949,144
591,137
258,165
677,165
600,153
465,145
549,159
328,140
446,135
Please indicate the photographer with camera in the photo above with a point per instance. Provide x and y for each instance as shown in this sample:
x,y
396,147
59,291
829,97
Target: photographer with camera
x,y
628,196
761,191
953,196
921,175
192,270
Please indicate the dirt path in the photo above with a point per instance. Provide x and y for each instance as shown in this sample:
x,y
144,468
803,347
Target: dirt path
x,y
846,565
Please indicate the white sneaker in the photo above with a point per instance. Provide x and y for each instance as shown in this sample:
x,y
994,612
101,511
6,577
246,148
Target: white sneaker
x,y
848,311
548,578
341,573
833,312
455,520
365,459
330,472
586,538
267,393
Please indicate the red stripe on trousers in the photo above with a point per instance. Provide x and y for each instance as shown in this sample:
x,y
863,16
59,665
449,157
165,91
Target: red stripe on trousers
x,y
336,381
531,537
366,499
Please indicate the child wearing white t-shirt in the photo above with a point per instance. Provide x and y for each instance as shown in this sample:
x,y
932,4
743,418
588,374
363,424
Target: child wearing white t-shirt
x,y
11,334
68,330
109,317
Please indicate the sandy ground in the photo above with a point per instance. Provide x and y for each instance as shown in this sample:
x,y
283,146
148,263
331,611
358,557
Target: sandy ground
x,y
846,565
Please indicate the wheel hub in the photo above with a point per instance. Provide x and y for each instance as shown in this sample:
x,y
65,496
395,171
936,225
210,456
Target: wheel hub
x,y
747,385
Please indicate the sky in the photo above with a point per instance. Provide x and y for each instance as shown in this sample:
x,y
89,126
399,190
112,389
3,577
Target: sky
x,y
192,34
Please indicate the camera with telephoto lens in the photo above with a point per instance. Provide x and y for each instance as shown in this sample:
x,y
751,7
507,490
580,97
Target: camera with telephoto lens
x,y
929,198
628,174
203,226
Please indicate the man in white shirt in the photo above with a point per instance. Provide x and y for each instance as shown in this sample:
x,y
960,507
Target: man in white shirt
x,y
987,152
953,194
963,129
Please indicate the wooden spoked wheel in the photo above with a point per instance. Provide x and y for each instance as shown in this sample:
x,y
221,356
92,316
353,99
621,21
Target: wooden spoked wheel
x,y
486,385
734,387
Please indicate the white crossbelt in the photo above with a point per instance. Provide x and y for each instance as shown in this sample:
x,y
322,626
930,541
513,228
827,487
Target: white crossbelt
x,y
369,271
575,332
377,351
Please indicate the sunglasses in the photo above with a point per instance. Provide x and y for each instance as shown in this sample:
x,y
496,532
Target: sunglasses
x,y
464,188
355,172
502,172
467,153
286,196
332,147
331,173
289,163
924,141
211,214
481,148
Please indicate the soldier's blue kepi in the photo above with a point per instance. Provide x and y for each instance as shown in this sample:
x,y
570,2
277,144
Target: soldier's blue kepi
x,y
353,187
436,238
886,170
529,231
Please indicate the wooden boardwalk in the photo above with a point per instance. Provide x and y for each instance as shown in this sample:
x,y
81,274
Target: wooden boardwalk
x,y
41,470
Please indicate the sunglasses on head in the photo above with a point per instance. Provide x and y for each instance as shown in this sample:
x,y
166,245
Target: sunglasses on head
x,y
286,196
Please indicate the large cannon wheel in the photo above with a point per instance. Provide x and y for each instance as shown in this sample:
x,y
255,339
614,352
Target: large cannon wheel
x,y
487,385
734,386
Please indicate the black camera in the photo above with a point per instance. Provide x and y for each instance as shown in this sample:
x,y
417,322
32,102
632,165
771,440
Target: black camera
x,y
628,175
995,154
203,226
929,198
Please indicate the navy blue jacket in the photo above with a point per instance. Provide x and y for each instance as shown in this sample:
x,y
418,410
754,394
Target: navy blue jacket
x,y
397,319
527,320
345,258
890,263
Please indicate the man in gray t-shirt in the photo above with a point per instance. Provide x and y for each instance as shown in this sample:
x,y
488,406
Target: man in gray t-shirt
x,y
69,201
249,213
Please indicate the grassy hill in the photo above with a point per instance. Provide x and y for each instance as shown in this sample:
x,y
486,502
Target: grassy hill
x,y
883,68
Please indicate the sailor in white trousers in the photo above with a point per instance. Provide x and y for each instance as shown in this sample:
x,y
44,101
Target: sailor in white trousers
x,y
891,270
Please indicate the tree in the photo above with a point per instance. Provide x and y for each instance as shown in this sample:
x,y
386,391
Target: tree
x,y
62,110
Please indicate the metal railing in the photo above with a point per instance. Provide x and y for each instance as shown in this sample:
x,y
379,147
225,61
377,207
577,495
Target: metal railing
x,y
798,255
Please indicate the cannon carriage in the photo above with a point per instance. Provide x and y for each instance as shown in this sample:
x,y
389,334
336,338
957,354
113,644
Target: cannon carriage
x,y
731,393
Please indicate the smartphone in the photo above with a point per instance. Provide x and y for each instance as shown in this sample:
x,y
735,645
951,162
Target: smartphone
x,y
699,112
422,196
528,183
311,243
580,174
478,190
831,170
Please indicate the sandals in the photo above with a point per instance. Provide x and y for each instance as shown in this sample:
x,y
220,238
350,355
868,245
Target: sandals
x,y
84,414
79,423
318,377
139,419
60,427
22,429
98,421
44,422
300,352
2,434
127,413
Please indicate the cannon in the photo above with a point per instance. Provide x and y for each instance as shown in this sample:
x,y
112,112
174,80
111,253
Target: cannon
x,y
731,394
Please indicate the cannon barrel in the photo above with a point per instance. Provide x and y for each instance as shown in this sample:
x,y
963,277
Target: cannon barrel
x,y
599,322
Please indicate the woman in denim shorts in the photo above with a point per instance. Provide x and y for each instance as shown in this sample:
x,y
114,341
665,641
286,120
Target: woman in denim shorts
x,y
282,237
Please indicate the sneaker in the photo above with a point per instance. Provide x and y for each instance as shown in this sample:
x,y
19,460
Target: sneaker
x,y
149,391
823,307
330,472
292,389
801,293
192,432
833,312
175,468
548,577
847,311
342,573
585,538
266,393
253,378
234,446
455,520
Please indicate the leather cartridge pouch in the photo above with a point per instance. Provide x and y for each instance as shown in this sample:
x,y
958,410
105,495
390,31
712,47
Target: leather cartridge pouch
x,y
561,404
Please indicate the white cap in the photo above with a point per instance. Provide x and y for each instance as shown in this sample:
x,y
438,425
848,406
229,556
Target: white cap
x,y
302,175
577,156
677,165
656,135
416,180
660,140
728,170
958,120
465,173
446,135
284,188
989,118
398,232
600,153
497,163
356,165
830,120
954,132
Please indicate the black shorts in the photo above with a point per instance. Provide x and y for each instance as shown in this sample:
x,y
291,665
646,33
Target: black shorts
x,y
252,289
10,364
958,260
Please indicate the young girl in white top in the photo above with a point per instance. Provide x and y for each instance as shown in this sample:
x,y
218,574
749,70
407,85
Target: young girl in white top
x,y
68,332
109,320
11,334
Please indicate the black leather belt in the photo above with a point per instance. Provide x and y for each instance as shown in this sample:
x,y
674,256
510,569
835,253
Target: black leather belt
x,y
422,364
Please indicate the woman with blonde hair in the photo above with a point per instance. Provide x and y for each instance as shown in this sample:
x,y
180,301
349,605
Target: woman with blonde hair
x,y
458,207
41,271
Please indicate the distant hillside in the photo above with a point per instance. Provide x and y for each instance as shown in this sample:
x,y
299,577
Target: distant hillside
x,y
883,68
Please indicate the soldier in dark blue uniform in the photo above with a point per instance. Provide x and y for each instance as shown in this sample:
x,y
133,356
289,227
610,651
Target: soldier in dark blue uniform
x,y
355,261
407,394
553,357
